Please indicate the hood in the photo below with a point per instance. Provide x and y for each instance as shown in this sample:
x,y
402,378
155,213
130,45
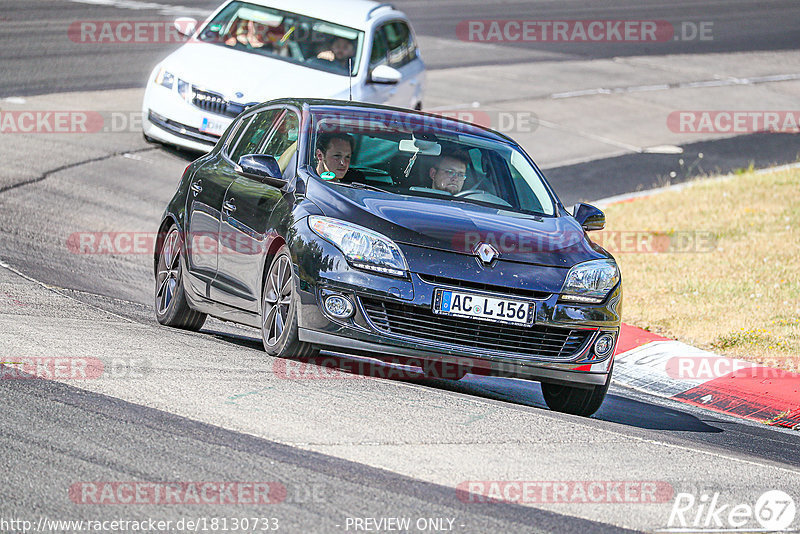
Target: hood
x,y
460,227
258,78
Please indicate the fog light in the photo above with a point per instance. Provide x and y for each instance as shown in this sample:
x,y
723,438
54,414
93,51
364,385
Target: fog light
x,y
603,345
339,306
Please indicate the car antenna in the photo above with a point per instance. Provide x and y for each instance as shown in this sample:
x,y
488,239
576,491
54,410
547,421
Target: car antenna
x,y
350,76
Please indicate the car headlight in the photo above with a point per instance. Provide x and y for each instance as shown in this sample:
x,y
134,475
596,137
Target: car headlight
x,y
362,247
591,281
165,78
185,90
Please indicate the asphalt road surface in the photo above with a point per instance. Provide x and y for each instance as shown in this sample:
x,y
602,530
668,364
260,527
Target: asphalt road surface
x,y
38,57
211,406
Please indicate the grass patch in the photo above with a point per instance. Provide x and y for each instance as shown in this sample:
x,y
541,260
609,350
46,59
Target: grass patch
x,y
729,279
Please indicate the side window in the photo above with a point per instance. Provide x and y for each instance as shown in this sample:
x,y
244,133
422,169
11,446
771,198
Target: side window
x,y
379,48
254,134
398,37
282,144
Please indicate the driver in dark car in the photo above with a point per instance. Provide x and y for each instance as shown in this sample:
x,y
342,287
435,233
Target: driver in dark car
x,y
450,171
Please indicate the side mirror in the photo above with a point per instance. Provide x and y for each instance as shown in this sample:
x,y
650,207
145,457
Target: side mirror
x,y
186,26
590,217
384,74
262,167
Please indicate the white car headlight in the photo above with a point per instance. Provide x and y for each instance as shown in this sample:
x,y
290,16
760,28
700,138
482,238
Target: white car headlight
x,y
165,78
591,281
185,90
362,247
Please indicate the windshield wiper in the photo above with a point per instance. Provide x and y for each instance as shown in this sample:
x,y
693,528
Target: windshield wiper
x,y
359,185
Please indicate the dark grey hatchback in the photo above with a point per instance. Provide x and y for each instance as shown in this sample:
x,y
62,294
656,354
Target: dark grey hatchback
x,y
440,245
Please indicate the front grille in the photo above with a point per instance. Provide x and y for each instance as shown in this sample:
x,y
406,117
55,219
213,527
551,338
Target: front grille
x,y
548,342
454,282
216,103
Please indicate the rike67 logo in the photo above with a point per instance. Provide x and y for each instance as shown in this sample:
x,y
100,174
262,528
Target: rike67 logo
x,y
773,511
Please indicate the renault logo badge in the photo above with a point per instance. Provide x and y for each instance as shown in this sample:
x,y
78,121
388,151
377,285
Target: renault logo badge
x,y
486,252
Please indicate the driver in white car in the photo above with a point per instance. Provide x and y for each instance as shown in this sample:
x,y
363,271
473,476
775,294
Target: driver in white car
x,y
450,171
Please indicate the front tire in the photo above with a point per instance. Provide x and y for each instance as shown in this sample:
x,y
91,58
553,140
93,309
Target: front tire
x,y
171,306
279,310
574,400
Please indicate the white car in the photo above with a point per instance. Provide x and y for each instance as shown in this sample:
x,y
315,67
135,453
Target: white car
x,y
249,52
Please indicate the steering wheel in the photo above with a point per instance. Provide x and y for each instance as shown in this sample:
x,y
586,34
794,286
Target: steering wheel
x,y
468,192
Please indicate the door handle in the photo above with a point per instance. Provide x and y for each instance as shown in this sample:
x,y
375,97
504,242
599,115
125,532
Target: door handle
x,y
196,187
228,206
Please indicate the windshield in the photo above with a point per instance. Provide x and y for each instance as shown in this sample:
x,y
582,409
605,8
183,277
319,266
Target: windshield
x,y
282,35
421,156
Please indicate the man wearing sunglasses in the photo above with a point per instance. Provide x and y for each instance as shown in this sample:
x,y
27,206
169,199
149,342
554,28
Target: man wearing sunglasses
x,y
450,171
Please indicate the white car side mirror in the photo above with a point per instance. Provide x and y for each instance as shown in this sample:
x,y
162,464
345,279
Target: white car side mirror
x,y
385,74
186,26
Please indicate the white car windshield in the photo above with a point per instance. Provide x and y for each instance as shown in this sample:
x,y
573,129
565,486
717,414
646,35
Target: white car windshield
x,y
288,36
421,155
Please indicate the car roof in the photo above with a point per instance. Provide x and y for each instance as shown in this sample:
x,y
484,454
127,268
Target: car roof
x,y
446,123
353,13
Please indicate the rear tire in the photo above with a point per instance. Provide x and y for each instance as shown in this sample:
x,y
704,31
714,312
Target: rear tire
x,y
279,310
171,306
574,400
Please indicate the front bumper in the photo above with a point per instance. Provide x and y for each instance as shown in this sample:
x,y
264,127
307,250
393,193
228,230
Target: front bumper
x,y
559,346
169,119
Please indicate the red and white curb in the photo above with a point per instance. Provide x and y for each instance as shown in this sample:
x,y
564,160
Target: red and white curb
x,y
675,370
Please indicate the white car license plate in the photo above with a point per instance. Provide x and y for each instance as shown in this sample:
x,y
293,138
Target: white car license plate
x,y
483,307
212,126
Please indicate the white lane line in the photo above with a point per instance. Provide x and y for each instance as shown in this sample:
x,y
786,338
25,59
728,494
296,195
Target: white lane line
x,y
61,291
616,435
725,82
453,107
604,202
136,157
163,9
663,149
600,138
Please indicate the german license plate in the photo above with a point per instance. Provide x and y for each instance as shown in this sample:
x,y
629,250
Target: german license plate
x,y
212,126
484,307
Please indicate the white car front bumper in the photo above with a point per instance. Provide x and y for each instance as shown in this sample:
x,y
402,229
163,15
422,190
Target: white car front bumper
x,y
167,118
